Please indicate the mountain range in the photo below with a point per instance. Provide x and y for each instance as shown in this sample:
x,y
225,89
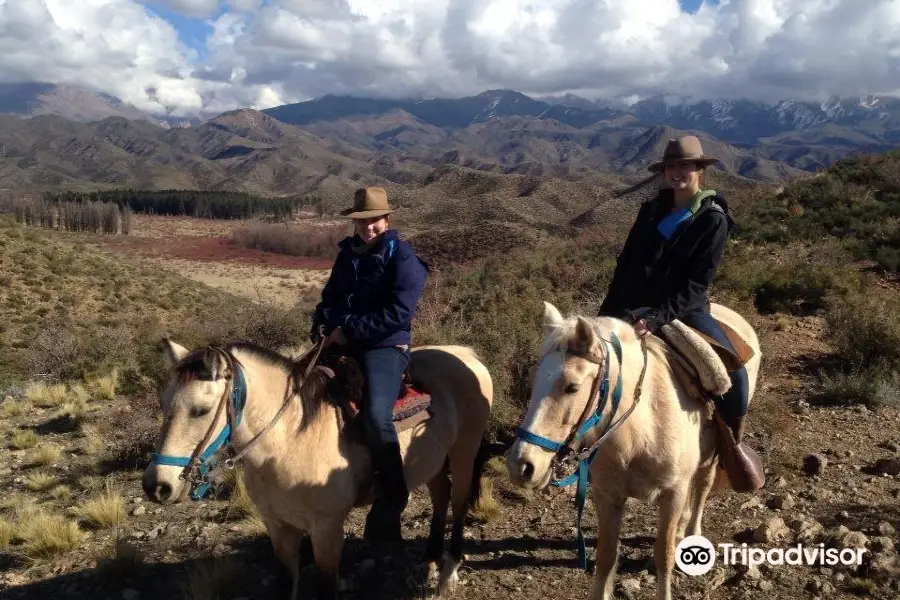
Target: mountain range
x,y
64,136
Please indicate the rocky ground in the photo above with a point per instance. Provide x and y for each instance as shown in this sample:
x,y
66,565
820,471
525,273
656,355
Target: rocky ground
x,y
833,479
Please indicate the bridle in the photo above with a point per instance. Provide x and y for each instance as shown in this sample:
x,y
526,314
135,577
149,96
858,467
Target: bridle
x,y
200,466
569,450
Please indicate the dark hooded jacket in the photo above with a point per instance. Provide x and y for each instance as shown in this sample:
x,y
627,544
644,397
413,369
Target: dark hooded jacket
x,y
372,296
670,275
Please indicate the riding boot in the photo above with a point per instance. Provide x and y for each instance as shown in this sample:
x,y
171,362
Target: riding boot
x,y
741,463
383,520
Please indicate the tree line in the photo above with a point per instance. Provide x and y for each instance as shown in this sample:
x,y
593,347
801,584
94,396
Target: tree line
x,y
89,216
191,203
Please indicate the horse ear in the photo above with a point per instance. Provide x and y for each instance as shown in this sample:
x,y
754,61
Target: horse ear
x,y
552,316
173,352
584,335
214,364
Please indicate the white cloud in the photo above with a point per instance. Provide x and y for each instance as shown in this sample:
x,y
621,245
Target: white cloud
x,y
260,54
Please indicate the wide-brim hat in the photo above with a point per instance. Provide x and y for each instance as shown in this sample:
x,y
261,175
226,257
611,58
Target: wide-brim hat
x,y
368,202
685,149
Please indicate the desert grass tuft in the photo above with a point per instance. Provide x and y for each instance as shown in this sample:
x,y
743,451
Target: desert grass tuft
x,y
40,482
46,455
16,502
105,387
45,535
23,439
120,560
7,534
46,396
61,493
14,408
107,509
91,442
210,579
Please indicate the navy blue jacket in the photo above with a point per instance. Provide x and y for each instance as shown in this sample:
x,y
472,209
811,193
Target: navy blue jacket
x,y
670,276
372,297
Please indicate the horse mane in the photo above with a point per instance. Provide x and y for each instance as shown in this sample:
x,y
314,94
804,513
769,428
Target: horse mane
x,y
603,327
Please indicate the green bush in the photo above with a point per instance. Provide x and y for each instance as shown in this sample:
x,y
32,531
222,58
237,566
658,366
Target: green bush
x,y
857,201
865,329
495,305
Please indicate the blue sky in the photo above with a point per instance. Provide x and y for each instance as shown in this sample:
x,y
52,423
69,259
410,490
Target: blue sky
x,y
691,6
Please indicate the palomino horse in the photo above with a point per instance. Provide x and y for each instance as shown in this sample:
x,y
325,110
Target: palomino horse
x,y
660,449
301,471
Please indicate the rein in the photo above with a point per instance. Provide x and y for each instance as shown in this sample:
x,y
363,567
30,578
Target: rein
x,y
204,463
568,450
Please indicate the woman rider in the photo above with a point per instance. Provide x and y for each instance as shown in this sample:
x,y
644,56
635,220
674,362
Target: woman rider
x,y
669,259
367,308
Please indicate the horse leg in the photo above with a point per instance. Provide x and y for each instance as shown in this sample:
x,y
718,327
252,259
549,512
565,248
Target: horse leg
x,y
439,487
286,542
462,469
703,484
327,543
609,520
671,505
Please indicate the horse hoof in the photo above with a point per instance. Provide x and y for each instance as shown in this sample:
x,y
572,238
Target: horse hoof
x,y
434,572
449,577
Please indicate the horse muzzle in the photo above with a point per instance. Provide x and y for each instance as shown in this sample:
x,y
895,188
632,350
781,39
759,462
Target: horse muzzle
x,y
526,468
161,490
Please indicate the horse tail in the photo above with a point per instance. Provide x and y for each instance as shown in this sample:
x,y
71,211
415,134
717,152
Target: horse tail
x,y
477,486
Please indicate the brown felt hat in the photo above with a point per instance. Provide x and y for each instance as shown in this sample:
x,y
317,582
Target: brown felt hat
x,y
368,202
684,149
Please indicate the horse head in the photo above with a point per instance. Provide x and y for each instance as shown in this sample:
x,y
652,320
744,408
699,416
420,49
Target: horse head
x,y
570,388
195,406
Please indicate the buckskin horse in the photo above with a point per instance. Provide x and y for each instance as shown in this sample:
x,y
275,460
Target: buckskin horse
x,y
302,469
613,403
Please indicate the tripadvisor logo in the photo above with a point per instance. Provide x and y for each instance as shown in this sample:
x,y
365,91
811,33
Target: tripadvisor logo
x,y
696,555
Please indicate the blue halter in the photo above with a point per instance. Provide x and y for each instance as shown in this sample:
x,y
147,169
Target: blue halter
x,y
206,462
581,476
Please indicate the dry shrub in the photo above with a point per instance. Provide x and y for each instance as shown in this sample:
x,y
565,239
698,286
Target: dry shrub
x,y
132,433
313,241
53,350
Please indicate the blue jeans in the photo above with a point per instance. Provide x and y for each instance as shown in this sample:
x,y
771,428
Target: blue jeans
x,y
383,369
734,403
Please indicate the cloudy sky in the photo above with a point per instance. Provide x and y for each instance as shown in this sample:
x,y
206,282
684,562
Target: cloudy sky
x,y
187,56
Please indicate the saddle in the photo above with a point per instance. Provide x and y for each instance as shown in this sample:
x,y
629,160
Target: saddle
x,y
701,365
339,377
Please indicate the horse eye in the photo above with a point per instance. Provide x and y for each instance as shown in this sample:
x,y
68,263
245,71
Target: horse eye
x,y
199,411
571,388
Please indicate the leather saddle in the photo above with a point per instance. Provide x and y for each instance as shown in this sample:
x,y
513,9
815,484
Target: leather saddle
x,y
338,376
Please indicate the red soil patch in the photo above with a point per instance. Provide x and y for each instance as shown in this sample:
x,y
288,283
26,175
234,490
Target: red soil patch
x,y
211,249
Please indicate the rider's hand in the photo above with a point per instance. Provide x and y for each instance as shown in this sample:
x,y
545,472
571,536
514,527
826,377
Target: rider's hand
x,y
640,328
337,337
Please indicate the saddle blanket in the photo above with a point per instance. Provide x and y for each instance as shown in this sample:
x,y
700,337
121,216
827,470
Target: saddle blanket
x,y
413,406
